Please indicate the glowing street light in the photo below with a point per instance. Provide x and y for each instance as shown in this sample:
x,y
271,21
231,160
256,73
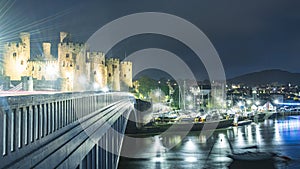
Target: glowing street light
x,y
240,104
105,89
249,102
189,98
96,86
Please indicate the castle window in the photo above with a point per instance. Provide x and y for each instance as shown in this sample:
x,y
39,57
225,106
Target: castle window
x,y
109,75
14,54
67,55
40,68
64,63
115,66
22,62
124,75
95,72
32,68
74,56
71,64
77,67
102,62
128,69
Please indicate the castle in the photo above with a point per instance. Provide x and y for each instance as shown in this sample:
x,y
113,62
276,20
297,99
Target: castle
x,y
75,69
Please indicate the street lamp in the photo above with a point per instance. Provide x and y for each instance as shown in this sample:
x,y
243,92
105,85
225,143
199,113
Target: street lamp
x,y
189,98
105,89
249,102
240,104
96,86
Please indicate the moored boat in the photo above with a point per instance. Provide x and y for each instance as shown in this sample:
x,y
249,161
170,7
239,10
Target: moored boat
x,y
181,126
252,156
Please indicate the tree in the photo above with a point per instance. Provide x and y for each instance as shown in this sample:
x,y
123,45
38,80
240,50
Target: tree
x,y
146,85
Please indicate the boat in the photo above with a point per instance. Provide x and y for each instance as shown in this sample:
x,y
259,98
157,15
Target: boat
x,y
167,117
258,159
255,159
155,128
244,122
252,156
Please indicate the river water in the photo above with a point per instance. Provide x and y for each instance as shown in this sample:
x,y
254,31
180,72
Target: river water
x,y
198,150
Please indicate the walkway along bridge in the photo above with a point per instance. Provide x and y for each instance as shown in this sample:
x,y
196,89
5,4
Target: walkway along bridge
x,y
63,130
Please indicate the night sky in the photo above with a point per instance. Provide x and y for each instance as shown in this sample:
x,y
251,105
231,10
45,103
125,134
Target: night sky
x,y
249,36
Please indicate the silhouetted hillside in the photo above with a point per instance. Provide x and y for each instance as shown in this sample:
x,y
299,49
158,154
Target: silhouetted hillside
x,y
267,77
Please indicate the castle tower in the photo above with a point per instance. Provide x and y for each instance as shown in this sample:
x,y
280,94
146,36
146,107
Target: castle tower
x,y
15,57
125,75
72,64
98,72
47,50
113,74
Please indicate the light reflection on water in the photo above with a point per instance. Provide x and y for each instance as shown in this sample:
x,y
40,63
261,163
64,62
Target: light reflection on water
x,y
197,151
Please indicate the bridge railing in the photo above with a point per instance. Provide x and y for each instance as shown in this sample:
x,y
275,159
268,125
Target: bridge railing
x,y
27,122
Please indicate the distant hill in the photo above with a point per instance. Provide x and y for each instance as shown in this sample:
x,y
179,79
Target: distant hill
x,y
267,77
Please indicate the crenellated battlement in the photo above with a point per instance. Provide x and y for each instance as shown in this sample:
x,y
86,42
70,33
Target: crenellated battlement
x,y
71,45
113,60
43,61
97,53
126,63
13,45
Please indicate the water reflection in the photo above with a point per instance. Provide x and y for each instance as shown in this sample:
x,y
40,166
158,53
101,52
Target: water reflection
x,y
200,151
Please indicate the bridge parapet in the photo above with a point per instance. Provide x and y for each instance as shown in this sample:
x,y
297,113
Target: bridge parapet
x,y
30,122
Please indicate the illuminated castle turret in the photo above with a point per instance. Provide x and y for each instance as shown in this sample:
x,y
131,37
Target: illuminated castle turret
x,y
125,75
98,70
15,57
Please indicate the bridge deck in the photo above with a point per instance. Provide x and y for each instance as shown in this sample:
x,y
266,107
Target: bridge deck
x,y
62,133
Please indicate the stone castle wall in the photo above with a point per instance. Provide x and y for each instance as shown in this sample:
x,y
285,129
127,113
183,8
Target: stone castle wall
x,y
76,68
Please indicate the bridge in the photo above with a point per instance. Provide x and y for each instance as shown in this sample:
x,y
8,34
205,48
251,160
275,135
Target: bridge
x,y
63,130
